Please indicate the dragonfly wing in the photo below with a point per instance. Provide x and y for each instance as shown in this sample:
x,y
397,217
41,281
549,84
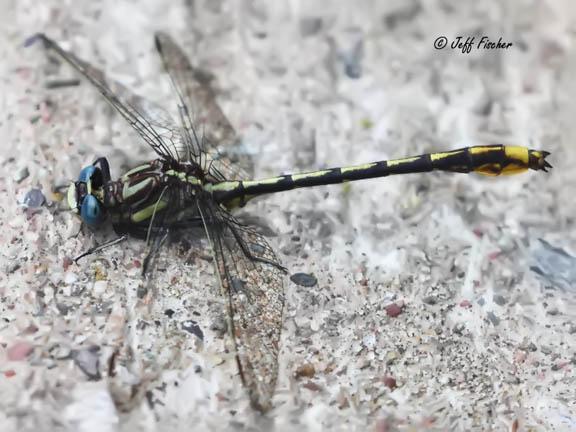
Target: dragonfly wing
x,y
219,138
151,121
251,278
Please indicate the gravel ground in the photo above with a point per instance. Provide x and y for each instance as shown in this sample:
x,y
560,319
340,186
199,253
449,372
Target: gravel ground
x,y
443,302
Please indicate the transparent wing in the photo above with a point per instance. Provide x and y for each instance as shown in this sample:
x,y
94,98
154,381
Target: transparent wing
x,y
252,280
218,135
151,121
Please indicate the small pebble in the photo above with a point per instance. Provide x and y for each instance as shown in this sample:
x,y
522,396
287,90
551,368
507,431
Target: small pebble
x,y
88,361
306,370
393,310
310,26
192,327
520,356
60,352
559,366
553,311
369,341
219,324
99,287
352,58
343,401
391,357
31,329
12,267
512,380
390,382
304,279
70,278
63,308
312,386
67,262
459,328
499,300
493,318
19,351
21,175
528,347
34,198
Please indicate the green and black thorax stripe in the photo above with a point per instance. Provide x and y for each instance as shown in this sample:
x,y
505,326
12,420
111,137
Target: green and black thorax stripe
x,y
151,189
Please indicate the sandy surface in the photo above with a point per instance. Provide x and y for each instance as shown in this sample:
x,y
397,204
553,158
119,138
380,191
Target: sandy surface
x,y
486,335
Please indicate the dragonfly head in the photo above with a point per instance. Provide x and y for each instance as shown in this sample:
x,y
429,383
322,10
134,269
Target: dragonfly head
x,y
83,196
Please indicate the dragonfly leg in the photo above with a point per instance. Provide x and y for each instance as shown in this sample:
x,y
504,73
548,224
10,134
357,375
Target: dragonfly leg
x,y
152,253
100,247
250,255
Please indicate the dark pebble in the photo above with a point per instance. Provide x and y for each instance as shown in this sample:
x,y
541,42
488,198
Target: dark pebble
x,y
304,279
192,327
62,308
431,300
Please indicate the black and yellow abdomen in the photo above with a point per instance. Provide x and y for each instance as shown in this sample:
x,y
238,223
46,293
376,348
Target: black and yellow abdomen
x,y
491,160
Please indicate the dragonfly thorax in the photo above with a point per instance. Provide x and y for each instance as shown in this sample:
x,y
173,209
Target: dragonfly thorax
x,y
140,192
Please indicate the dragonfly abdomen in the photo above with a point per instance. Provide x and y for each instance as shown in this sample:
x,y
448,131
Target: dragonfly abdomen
x,y
492,160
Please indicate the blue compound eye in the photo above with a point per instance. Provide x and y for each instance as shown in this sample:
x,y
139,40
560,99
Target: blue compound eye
x,y
86,174
91,210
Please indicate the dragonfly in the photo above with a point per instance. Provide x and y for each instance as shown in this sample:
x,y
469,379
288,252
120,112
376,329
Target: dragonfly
x,y
191,185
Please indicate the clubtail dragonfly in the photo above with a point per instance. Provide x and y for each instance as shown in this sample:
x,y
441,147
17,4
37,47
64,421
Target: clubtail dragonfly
x,y
190,185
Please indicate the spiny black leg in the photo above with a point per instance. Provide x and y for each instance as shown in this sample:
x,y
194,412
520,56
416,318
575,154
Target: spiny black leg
x,y
249,254
158,243
100,247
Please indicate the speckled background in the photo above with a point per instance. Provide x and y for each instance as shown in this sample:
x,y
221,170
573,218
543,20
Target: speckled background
x,y
480,270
